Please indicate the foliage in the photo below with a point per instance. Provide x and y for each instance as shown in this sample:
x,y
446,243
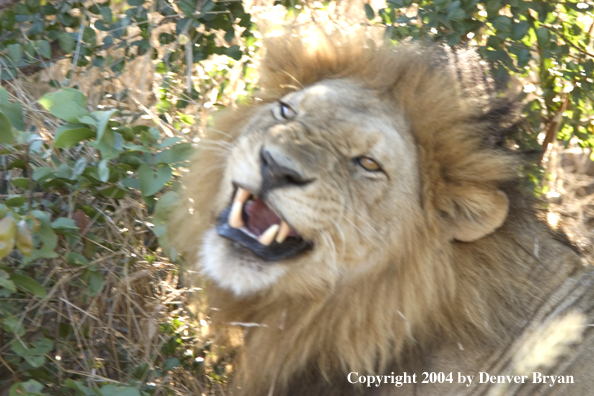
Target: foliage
x,y
64,213
89,297
90,302
545,44
111,35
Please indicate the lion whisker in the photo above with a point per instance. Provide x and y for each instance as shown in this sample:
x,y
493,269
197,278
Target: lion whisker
x,y
210,129
330,242
364,234
341,235
347,207
217,143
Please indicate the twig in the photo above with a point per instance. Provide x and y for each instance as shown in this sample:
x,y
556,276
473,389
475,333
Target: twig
x,y
556,31
554,127
81,30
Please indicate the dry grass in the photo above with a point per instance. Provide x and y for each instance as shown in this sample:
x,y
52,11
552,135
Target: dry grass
x,y
571,194
137,321
143,314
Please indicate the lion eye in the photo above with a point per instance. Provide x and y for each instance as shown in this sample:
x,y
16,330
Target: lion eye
x,y
369,164
286,111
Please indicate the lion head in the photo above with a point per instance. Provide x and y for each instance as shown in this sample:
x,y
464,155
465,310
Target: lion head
x,y
360,205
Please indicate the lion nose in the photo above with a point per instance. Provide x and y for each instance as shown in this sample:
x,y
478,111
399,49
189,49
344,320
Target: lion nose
x,y
278,170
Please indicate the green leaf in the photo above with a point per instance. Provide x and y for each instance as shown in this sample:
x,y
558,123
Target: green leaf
x,y
43,217
6,136
44,49
66,42
543,35
136,147
152,182
28,284
171,363
179,153
369,13
77,385
234,52
45,251
64,223
15,52
104,27
67,104
33,5
523,57
70,135
42,173
169,141
113,390
21,182
188,7
6,283
29,388
114,192
457,15
102,118
95,283
230,35
12,324
165,205
519,30
397,3
88,120
33,354
208,6
106,14
79,167
103,171
48,236
502,23
15,201
14,112
76,259
130,183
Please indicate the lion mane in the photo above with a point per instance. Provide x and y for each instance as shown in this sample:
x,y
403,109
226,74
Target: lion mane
x,y
473,281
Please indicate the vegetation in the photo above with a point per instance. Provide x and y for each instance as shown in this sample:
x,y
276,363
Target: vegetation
x,y
546,45
101,106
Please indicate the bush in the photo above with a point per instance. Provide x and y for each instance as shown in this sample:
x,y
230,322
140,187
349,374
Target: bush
x,y
90,294
90,300
545,45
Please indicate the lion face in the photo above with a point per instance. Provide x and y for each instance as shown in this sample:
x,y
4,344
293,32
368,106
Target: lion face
x,y
323,180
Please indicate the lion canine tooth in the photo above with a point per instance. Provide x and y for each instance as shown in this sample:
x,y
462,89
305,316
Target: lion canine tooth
x,y
268,236
283,233
242,195
235,220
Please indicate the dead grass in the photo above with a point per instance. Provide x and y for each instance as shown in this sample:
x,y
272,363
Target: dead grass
x,y
571,194
140,315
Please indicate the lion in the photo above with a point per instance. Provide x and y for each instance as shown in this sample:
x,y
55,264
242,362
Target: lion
x,y
365,223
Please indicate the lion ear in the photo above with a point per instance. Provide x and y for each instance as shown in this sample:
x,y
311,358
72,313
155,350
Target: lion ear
x,y
478,213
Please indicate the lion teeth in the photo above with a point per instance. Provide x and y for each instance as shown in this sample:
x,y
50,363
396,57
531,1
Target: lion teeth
x,y
268,236
283,232
235,219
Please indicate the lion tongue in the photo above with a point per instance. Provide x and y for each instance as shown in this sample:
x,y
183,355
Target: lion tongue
x,y
259,217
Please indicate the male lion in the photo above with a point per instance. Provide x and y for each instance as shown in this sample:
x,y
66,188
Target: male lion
x,y
361,219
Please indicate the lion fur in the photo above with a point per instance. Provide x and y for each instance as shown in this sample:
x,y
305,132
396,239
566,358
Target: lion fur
x,y
419,309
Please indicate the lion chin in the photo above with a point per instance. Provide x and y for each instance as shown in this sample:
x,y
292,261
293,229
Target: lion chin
x,y
363,218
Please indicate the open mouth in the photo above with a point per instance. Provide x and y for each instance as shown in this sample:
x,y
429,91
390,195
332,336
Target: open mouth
x,y
252,223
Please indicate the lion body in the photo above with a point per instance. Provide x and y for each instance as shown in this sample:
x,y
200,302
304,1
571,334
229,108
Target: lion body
x,y
439,264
